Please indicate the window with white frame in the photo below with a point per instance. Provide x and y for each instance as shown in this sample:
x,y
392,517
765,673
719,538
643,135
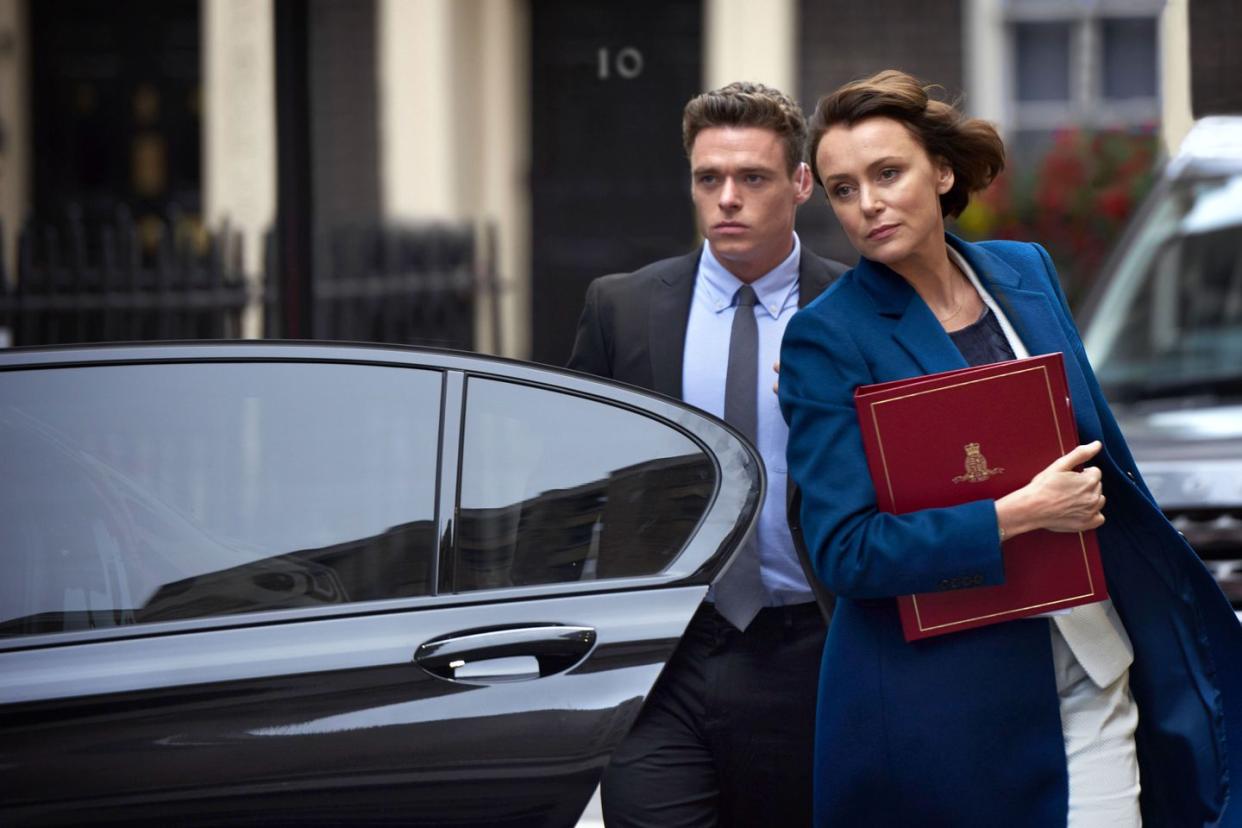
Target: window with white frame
x,y
1086,63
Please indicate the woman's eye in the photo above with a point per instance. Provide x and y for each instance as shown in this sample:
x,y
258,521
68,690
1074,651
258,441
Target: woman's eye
x,y
888,174
842,191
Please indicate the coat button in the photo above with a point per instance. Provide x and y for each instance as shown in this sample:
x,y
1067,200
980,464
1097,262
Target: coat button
x,y
1129,474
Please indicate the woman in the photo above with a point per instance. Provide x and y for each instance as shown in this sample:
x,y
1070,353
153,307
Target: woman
x,y
1112,714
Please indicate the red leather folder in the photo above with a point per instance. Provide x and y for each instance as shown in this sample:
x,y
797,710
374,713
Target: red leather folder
x,y
973,434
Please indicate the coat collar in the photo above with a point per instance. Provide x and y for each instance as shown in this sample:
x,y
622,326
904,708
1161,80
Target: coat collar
x,y
1019,293
670,312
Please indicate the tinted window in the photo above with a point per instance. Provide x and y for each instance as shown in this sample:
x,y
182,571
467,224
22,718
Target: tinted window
x,y
156,492
558,488
1170,321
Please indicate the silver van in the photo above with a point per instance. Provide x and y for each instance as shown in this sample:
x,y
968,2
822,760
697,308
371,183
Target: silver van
x,y
1163,328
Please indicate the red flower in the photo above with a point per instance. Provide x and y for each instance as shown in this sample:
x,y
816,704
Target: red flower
x,y
1076,200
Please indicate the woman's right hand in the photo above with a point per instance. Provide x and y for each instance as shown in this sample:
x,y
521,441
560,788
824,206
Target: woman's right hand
x,y
1059,498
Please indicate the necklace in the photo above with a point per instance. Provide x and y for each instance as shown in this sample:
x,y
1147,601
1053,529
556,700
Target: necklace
x,y
961,301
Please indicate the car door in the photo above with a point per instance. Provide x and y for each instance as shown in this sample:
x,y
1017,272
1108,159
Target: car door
x,y
330,584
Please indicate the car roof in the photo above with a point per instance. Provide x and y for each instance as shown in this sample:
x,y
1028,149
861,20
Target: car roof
x,y
1214,142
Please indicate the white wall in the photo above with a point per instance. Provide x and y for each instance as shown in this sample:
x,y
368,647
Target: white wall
x,y
239,128
985,61
751,41
454,132
1175,117
15,154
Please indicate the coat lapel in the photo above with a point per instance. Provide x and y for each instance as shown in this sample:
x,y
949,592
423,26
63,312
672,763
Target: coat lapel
x,y
1037,321
914,327
813,277
670,312
1029,306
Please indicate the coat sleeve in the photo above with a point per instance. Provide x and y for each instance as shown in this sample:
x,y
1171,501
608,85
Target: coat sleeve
x,y
592,350
856,550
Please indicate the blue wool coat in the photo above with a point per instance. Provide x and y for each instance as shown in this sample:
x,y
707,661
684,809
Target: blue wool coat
x,y
964,729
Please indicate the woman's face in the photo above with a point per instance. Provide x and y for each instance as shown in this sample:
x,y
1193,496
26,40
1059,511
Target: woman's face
x,y
885,190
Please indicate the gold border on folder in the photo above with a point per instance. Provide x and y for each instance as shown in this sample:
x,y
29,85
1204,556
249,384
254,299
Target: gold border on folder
x,y
1049,605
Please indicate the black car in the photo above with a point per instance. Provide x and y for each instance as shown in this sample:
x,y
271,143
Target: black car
x,y
306,583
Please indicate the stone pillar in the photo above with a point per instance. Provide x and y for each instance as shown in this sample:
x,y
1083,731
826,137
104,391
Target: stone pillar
x,y
750,41
984,56
14,127
239,129
1175,114
454,134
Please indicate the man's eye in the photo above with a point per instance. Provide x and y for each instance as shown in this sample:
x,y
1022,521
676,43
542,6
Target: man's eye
x,y
707,180
754,178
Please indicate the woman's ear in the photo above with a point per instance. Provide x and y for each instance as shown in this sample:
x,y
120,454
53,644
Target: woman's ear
x,y
944,177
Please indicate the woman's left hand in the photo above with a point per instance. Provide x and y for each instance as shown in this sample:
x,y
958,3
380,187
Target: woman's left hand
x,y
1060,498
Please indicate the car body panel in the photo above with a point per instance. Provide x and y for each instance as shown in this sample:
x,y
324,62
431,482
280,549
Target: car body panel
x,y
497,705
99,731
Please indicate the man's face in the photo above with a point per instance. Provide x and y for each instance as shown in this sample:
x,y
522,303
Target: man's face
x,y
745,198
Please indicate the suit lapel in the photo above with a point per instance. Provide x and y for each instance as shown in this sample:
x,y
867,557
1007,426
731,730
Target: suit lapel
x,y
813,277
670,312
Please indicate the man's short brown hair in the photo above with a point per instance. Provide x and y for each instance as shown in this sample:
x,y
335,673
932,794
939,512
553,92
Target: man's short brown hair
x,y
743,104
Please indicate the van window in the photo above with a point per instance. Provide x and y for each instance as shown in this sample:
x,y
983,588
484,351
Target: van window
x,y
1170,321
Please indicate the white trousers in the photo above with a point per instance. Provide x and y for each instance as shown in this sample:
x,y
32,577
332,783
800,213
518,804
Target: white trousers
x,y
1098,725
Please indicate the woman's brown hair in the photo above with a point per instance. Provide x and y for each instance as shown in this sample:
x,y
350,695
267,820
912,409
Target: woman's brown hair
x,y
971,146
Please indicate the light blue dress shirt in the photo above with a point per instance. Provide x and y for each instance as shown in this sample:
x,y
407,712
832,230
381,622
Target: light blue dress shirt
x,y
703,386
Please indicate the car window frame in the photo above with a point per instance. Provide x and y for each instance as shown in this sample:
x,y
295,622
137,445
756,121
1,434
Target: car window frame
x,y
449,538
695,564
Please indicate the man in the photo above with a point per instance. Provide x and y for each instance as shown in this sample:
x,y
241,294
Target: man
x,y
727,735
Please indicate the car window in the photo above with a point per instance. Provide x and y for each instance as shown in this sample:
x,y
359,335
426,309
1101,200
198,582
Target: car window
x,y
558,488
1171,318
141,493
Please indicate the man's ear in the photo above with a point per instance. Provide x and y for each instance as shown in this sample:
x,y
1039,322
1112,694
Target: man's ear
x,y
803,183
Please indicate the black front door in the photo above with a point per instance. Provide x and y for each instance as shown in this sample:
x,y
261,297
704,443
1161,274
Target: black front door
x,y
609,180
116,110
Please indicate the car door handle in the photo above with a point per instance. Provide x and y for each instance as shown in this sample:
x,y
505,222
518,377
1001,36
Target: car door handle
x,y
505,654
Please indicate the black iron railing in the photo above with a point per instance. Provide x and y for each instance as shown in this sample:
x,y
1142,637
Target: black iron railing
x,y
121,282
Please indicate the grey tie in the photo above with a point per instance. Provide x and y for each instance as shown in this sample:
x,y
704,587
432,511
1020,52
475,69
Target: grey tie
x,y
739,594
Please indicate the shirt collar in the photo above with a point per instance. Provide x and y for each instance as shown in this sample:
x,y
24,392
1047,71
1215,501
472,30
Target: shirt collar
x,y
773,289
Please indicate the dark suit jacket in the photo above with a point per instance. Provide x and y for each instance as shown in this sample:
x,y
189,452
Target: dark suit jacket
x,y
633,329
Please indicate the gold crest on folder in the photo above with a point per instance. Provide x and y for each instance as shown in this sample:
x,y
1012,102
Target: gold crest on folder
x,y
977,469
